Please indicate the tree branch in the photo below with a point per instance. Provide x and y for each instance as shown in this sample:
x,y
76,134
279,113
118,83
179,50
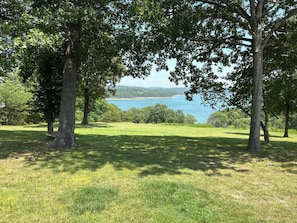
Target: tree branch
x,y
253,8
232,8
235,39
277,25
260,6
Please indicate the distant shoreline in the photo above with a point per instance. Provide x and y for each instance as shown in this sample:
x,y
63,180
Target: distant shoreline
x,y
140,98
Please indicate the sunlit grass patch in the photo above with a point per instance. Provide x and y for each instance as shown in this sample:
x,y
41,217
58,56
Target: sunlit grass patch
x,y
178,201
92,199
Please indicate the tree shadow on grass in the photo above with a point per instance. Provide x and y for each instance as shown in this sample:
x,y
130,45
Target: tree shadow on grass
x,y
15,144
150,155
247,134
156,155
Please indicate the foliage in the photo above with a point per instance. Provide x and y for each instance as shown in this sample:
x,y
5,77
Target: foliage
x,y
158,114
236,118
101,68
14,99
229,117
45,70
206,36
95,38
112,114
279,77
102,111
11,25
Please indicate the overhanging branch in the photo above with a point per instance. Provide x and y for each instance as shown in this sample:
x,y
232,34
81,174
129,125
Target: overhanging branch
x,y
277,25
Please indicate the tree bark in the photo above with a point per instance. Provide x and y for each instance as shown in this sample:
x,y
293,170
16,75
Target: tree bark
x,y
86,107
65,137
50,128
254,144
287,118
266,133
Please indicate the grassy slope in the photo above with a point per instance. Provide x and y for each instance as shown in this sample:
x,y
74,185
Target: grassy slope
x,y
146,173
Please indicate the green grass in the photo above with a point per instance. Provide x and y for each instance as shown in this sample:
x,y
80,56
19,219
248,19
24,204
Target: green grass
x,y
127,172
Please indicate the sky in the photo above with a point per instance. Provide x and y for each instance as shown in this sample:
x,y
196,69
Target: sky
x,y
158,79
155,79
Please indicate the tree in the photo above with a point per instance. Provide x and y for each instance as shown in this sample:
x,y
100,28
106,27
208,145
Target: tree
x,y
207,35
190,119
74,26
14,99
112,114
97,79
281,91
282,95
44,65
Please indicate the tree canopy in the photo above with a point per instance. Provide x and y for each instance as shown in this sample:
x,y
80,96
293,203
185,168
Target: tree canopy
x,y
205,36
83,31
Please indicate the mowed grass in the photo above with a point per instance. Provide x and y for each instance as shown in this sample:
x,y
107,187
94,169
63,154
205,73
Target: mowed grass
x,y
127,172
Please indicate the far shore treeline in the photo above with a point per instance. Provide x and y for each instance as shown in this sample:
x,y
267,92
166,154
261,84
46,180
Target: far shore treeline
x,y
122,92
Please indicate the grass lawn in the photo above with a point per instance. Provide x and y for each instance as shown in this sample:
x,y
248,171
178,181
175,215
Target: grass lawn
x,y
146,173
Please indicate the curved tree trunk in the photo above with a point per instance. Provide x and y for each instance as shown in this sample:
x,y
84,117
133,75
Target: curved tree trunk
x,y
66,137
266,133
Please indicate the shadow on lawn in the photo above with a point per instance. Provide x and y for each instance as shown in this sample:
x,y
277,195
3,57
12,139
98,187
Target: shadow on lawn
x,y
152,155
155,155
14,143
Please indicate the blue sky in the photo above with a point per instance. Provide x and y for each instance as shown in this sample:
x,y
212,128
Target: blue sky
x,y
155,79
159,79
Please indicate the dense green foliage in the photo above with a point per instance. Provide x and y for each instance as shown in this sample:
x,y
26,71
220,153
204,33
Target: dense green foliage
x,y
106,112
236,118
134,92
158,114
14,101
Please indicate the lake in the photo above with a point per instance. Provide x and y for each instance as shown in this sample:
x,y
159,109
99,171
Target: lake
x,y
195,108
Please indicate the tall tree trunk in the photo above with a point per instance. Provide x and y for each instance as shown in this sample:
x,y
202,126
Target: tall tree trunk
x,y
287,119
254,144
66,137
86,106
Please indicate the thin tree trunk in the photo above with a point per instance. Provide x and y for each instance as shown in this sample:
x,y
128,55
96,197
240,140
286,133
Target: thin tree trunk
x,y
86,107
287,118
50,128
66,137
266,133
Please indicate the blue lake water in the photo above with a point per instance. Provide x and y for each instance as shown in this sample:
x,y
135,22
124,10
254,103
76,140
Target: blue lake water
x,y
195,107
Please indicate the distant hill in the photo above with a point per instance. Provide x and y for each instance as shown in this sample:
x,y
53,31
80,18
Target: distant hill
x,y
141,92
